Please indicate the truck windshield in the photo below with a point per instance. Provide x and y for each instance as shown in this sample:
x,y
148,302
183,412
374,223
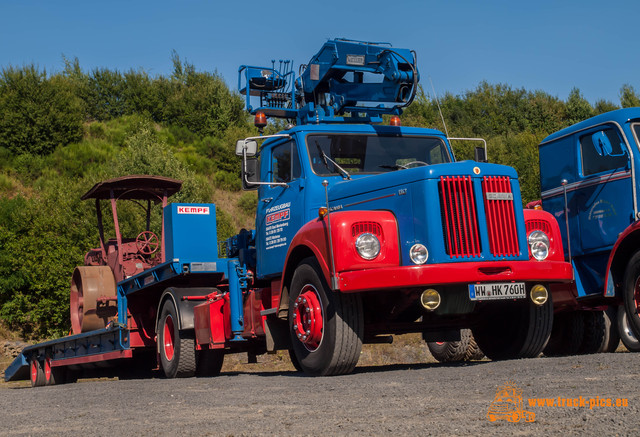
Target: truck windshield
x,y
373,153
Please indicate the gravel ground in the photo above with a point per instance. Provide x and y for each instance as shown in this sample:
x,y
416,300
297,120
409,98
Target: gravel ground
x,y
411,399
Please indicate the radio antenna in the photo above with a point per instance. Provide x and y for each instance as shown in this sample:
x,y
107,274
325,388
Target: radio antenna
x,y
439,109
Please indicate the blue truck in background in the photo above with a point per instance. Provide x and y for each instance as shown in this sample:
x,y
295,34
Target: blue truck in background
x,y
589,182
364,229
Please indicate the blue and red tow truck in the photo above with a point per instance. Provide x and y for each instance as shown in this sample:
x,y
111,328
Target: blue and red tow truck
x,y
363,229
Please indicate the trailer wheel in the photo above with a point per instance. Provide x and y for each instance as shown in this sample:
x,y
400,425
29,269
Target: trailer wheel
x,y
177,350
36,371
631,294
595,335
627,335
209,362
53,375
515,330
567,334
326,328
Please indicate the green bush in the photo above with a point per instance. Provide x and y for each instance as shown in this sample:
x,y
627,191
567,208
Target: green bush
x,y
248,203
37,114
227,181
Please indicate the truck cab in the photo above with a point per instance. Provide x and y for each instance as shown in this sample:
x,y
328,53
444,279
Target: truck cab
x,y
588,176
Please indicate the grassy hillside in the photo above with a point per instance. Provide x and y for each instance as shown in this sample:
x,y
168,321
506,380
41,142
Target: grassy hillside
x,y
62,133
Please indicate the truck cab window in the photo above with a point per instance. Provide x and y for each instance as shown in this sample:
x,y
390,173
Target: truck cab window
x,y
285,165
371,154
596,157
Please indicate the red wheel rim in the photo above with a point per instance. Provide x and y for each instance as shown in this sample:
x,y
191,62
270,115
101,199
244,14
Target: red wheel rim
x,y
307,318
167,338
47,369
34,371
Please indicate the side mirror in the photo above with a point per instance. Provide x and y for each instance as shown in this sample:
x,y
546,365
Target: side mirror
x,y
480,154
251,147
602,144
250,173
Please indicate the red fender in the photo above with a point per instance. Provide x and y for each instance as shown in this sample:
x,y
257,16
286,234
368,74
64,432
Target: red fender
x,y
346,226
619,248
536,219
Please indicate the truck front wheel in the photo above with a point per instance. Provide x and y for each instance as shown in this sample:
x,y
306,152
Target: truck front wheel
x,y
326,327
631,294
177,350
515,330
627,336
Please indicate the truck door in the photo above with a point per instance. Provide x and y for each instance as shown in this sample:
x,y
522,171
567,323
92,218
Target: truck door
x,y
280,211
603,200
604,190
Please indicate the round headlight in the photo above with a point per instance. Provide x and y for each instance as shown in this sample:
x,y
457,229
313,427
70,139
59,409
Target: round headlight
x,y
368,246
539,245
418,254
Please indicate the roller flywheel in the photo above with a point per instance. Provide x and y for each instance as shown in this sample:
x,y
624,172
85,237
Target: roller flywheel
x,y
93,294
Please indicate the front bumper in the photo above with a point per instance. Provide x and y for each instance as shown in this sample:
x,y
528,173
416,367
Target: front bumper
x,y
454,274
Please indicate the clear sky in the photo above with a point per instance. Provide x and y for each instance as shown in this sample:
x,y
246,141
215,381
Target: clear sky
x,y
549,45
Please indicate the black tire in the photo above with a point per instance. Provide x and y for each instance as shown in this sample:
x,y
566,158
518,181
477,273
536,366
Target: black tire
x,y
474,353
177,350
333,349
209,362
294,361
612,339
53,375
567,334
451,351
594,336
513,330
631,294
627,335
36,372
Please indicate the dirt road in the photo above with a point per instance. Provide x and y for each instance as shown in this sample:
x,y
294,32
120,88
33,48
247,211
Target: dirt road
x,y
388,400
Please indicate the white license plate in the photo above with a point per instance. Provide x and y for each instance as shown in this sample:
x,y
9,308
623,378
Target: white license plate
x,y
497,291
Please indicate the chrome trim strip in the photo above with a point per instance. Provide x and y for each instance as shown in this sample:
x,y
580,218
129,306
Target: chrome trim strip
x,y
586,183
370,200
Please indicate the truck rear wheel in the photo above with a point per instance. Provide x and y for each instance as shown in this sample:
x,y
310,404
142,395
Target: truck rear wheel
x,y
326,328
595,335
177,350
515,330
567,334
631,294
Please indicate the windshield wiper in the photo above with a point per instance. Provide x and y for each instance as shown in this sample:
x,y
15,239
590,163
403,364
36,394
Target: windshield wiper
x,y
325,158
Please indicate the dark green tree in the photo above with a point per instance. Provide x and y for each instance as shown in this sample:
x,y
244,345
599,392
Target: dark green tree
x,y
628,96
37,114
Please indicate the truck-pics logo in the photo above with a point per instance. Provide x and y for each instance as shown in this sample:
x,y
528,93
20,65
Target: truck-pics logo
x,y
507,405
278,216
204,210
